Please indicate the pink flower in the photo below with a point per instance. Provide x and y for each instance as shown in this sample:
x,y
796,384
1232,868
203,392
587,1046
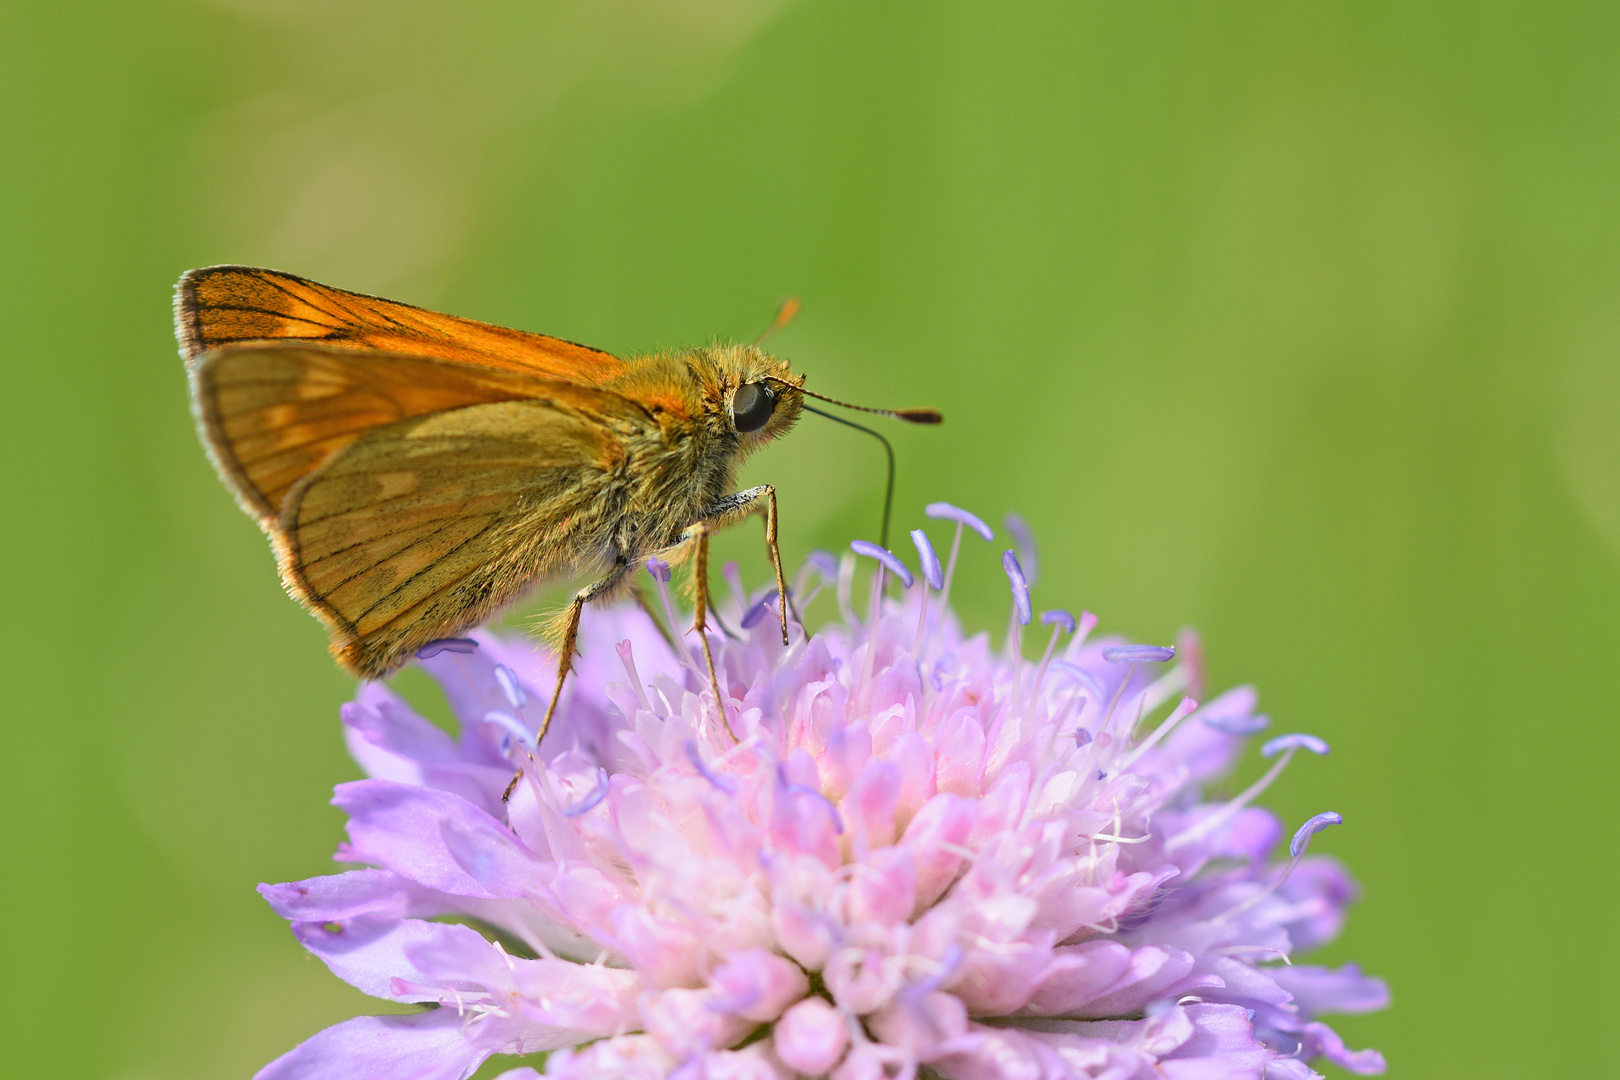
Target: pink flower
x,y
925,851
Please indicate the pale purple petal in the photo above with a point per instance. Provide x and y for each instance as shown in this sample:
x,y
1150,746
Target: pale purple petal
x,y
434,838
1323,1040
354,892
423,1046
757,985
1152,972
1320,990
368,951
1222,1043
811,1036
383,719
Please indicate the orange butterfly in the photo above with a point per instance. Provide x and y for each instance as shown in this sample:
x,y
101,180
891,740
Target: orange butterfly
x,y
416,471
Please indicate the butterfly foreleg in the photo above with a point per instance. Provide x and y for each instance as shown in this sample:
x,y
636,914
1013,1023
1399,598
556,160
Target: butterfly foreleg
x,y
732,509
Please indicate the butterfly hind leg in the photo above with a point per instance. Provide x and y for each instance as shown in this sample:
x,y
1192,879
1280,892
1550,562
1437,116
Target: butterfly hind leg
x,y
565,654
700,573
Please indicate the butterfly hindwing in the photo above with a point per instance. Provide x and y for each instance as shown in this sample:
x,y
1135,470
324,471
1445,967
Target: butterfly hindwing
x,y
423,525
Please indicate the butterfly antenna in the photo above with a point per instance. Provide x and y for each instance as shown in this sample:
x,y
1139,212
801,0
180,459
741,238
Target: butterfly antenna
x,y
784,315
914,416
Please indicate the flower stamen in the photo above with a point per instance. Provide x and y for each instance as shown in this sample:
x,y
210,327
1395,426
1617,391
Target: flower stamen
x,y
594,796
628,659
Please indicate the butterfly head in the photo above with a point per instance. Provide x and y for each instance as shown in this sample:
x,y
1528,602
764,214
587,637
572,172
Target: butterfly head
x,y
753,394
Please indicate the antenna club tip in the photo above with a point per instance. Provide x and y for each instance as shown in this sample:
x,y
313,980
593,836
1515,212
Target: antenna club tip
x,y
919,416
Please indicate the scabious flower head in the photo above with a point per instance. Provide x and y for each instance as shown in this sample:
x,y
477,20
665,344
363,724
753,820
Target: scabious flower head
x,y
923,855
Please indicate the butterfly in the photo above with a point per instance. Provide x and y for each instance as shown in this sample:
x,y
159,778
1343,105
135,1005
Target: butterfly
x,y
416,472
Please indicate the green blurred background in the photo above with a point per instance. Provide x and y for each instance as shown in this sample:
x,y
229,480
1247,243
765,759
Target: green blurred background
x,y
1295,322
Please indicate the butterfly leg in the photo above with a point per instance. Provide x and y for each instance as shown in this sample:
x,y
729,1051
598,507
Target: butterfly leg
x,y
700,623
732,509
570,636
565,655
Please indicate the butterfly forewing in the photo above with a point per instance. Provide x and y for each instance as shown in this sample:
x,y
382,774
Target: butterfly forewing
x,y
223,305
272,413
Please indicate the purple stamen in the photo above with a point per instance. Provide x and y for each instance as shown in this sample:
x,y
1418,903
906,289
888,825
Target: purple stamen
x,y
1239,725
801,789
1059,617
825,562
1101,775
659,569
444,645
1139,654
703,770
510,686
1302,839
1075,671
947,967
944,511
628,659
932,572
513,726
597,794
734,1004
805,789
759,610
1273,747
1081,737
1020,587
1024,541
884,556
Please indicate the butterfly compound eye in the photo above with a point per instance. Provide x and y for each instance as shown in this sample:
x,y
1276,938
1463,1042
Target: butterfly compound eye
x,y
751,406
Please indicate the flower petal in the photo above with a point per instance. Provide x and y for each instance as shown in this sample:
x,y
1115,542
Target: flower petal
x,y
1151,973
423,1046
369,952
354,892
436,839
1323,1040
1319,990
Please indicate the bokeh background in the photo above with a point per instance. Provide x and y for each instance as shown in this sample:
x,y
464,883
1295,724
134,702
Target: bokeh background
x,y
1296,322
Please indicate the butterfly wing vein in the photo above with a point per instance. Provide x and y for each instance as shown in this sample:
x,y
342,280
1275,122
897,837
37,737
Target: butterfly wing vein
x,y
406,496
